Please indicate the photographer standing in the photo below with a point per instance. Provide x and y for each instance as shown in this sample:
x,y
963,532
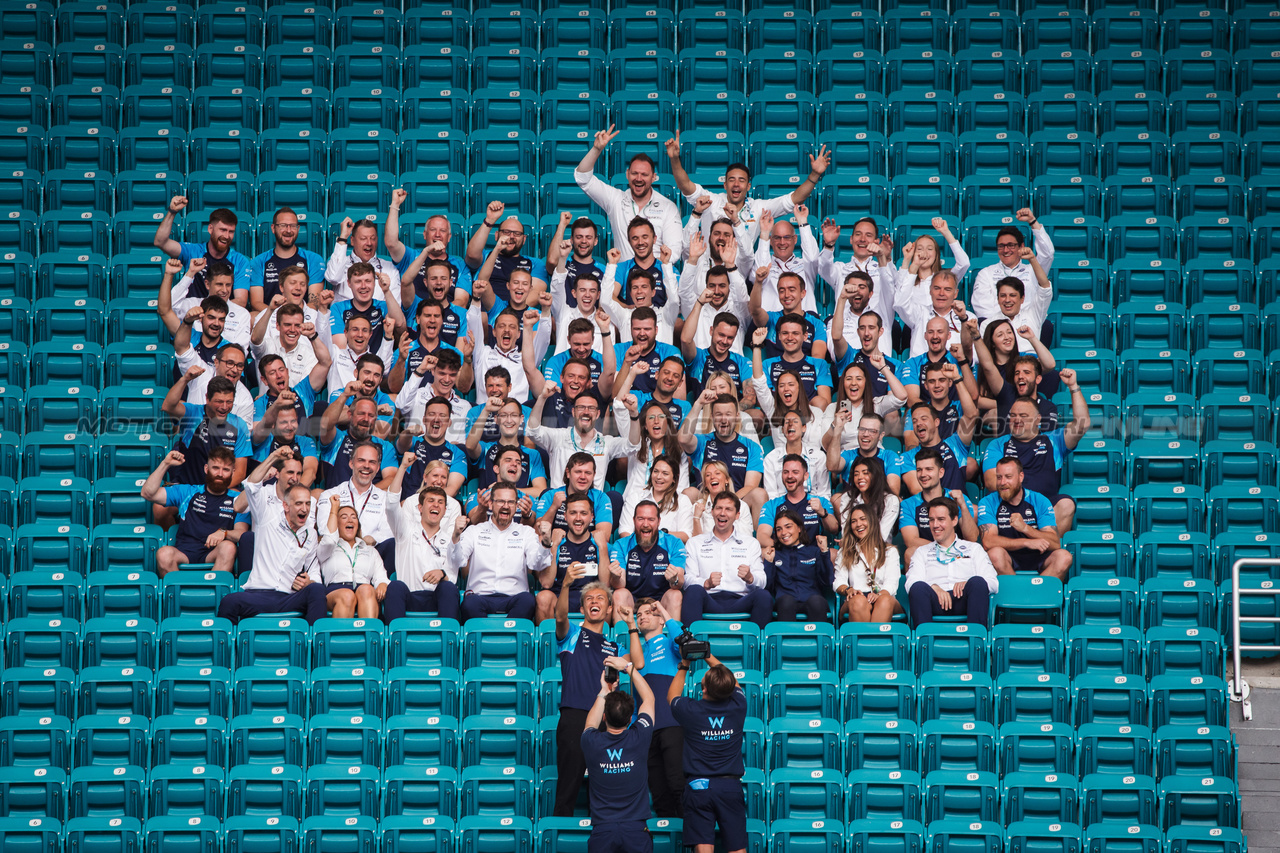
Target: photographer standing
x,y
583,651
617,763
654,652
712,757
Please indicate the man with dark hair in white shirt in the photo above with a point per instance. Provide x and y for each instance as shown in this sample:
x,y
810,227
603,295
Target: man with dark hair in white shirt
x,y
497,557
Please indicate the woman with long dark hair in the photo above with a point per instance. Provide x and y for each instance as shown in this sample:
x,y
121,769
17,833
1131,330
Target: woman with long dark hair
x,y
867,571
800,573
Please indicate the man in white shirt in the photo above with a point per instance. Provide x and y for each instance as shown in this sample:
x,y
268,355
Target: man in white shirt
x,y
220,280
734,202
363,237
497,557
369,501
949,575
443,370
287,470
582,437
942,303
505,351
724,572
1009,244
872,255
586,295
777,251
722,291
284,554
426,579
1024,309
310,360
638,200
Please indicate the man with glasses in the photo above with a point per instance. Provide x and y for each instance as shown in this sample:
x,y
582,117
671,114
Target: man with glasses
x,y
505,257
265,269
777,251
581,437
637,200
870,434
1009,243
211,352
496,557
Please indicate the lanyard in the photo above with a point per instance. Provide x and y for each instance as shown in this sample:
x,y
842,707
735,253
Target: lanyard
x,y
302,543
352,495
352,557
947,556
597,443
430,544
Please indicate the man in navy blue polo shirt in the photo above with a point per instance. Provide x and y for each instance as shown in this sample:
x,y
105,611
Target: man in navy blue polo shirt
x,y
957,464
816,512
617,760
713,764
1018,528
582,649
210,527
647,564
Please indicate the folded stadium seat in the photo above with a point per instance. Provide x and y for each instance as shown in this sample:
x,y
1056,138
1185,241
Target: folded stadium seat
x,y
881,745
1217,275
785,29
713,149
86,61
40,742
1079,196
82,105
1223,324
434,151
140,191
1179,839
53,409
985,29
991,110
917,69
1202,29
427,796
194,593
231,149
777,154
1209,800
1178,559
321,834
82,148
423,642
808,744
508,68
363,149
703,70
1266,239
34,22
506,110
235,66
26,63
874,648
115,691
1262,197
572,69
1225,369
1027,649
922,153
433,66
122,594
859,70
154,149
228,23
343,740
1162,461
120,642
1049,797
816,795
848,109
195,642
575,29
493,740
1188,701
1000,155
1121,73
955,746
505,28
1117,801
1183,651
921,29
885,835
22,147
439,29
257,790
1109,697
1204,196
22,189
34,693
1255,68
296,68
920,196
643,28
263,739
1102,650
43,643
1168,508
505,150
297,106
1081,324
1056,71
951,647
1126,28
298,26
1258,111
483,834
304,191
79,190
1041,698
779,67
870,695
485,792
182,830
971,799
52,498
132,320
1239,462
1131,152
158,66
1195,68
33,796
794,835
52,547
85,20
486,642
920,109
1233,507
367,27
714,30
1036,747
193,691
801,694
956,696
648,71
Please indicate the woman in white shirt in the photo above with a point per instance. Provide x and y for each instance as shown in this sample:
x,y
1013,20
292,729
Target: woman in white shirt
x,y
794,438
675,510
922,259
868,572
350,568
716,479
853,388
787,396
869,488
435,474
655,432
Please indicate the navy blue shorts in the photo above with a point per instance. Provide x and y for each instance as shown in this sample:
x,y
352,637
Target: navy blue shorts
x,y
619,838
722,801
334,587
1027,560
197,554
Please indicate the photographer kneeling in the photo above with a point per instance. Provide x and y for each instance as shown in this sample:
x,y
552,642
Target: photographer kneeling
x,y
617,760
713,764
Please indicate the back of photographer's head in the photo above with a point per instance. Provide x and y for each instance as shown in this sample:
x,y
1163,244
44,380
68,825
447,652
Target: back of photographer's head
x,y
718,683
618,708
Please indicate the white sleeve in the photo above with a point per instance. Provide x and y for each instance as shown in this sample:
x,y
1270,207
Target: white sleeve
x,y
918,571
983,569
961,257
758,578
830,270
779,206
671,234
460,553
684,514
408,395
671,311
739,298
983,299
557,287
597,190
892,570
764,396
688,287
536,557
335,270
692,567
243,407
890,516
693,226
840,577
180,290
809,249
1044,247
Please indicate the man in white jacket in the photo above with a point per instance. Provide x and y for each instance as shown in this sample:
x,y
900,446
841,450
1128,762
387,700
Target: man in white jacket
x,y
950,575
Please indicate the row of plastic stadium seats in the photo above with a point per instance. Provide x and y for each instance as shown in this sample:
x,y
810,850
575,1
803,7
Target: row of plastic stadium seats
x,y
845,106
485,834
368,25
799,792
1046,69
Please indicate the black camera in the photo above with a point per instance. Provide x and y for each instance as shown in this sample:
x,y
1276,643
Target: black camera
x,y
691,647
610,675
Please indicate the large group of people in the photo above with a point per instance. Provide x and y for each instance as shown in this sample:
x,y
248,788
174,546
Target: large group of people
x,y
613,461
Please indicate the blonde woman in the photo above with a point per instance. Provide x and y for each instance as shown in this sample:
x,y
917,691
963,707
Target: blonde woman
x,y
868,571
350,568
922,259
716,479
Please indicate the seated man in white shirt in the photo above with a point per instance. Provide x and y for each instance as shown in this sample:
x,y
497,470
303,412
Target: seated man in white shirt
x,y
369,501
363,237
284,556
497,558
949,575
724,571
1009,244
426,580
174,303
1024,310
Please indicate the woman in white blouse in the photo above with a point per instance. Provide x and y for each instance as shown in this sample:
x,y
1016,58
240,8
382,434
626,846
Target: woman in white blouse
x,y
868,572
350,568
716,479
655,432
922,259
675,510
869,488
854,388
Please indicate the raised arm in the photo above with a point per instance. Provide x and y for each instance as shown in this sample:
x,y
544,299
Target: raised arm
x,y
173,405
391,229
683,183
587,165
162,240
333,414
480,239
818,164
1080,420
153,488
555,251
164,301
